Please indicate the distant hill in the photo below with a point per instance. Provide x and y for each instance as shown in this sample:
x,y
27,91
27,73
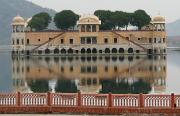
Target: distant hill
x,y
173,41
173,32
173,29
9,9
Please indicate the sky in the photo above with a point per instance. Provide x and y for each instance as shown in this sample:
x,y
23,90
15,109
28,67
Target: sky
x,y
168,8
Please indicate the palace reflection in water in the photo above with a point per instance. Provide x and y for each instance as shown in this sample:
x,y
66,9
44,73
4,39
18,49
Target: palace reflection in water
x,y
90,74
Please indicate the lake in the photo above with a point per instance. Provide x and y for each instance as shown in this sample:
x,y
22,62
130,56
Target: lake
x,y
91,74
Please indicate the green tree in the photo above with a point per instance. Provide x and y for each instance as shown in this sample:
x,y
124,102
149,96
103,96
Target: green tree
x,y
66,86
65,19
140,87
117,19
127,19
105,17
39,86
40,21
124,87
140,18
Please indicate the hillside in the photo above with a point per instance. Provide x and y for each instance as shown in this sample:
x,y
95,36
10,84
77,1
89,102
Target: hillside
x,y
9,9
173,29
173,41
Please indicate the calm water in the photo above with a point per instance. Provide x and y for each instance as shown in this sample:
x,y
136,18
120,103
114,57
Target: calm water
x,y
97,74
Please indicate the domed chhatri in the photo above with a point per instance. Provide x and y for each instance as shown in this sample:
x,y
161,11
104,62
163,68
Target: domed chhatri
x,y
88,19
158,19
88,23
18,20
88,39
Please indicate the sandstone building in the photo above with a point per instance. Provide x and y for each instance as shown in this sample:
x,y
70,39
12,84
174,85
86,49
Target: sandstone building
x,y
88,39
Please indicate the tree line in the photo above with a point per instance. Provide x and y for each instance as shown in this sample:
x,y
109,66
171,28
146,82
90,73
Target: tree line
x,y
110,20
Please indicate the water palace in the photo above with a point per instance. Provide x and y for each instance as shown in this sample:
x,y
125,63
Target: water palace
x,y
88,39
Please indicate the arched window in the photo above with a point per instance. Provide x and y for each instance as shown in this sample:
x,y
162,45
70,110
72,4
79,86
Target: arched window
x,y
100,51
83,51
63,51
121,50
88,50
107,50
56,51
47,51
94,50
150,51
70,51
114,50
130,50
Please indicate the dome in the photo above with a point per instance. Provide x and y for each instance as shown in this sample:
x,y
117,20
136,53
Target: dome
x,y
158,19
88,19
18,20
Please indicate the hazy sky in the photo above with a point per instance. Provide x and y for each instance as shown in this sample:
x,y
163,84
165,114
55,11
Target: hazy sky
x,y
168,8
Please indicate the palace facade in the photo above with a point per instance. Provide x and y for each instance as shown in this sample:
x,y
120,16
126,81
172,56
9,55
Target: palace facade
x,y
88,39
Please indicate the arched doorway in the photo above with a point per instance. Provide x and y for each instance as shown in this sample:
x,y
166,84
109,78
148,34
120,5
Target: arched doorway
x,y
70,51
100,51
47,51
114,50
39,51
94,50
63,51
56,51
121,50
89,51
130,50
150,51
107,50
83,51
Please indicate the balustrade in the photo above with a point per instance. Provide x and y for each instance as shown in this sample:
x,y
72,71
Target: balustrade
x,y
90,101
